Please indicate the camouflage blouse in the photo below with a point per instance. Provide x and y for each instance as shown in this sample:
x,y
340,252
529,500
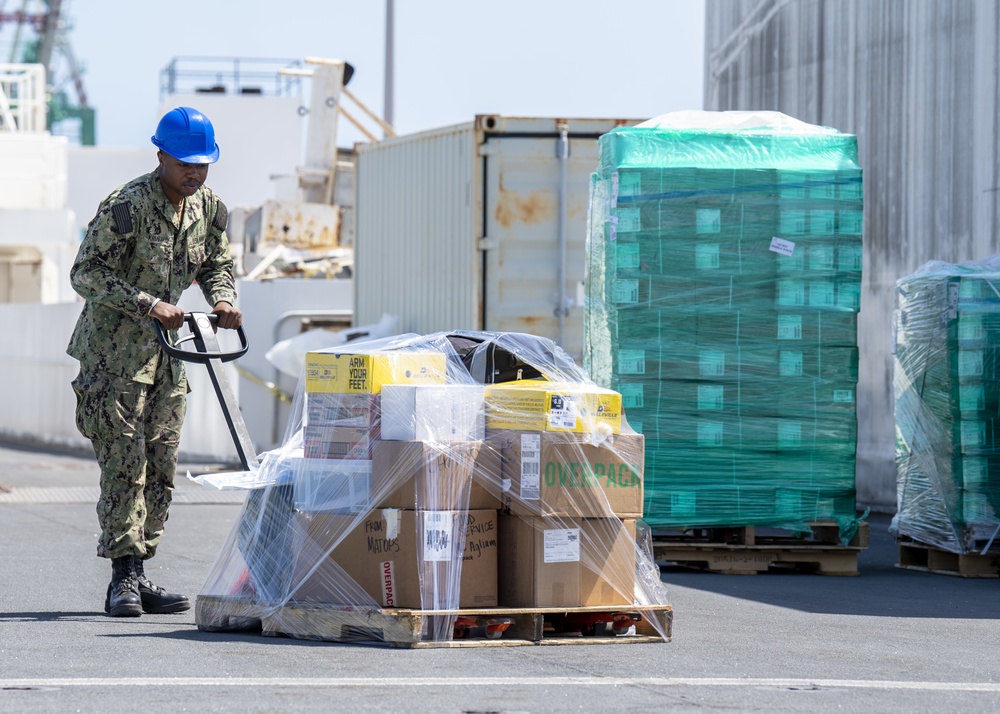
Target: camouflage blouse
x,y
138,248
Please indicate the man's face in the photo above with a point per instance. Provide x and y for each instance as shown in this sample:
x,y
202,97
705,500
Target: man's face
x,y
178,178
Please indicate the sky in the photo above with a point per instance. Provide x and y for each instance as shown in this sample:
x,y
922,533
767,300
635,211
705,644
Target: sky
x,y
454,59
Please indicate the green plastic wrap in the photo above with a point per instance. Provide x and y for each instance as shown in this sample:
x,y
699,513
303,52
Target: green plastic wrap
x,y
723,286
947,405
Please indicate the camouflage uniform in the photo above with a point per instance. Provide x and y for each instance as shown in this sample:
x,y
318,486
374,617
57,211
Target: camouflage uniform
x,y
131,397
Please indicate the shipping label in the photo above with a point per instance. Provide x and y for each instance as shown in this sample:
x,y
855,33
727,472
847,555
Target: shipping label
x,y
561,545
531,458
438,536
563,411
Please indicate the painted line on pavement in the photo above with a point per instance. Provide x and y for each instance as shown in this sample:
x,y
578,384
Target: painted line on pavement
x,y
380,682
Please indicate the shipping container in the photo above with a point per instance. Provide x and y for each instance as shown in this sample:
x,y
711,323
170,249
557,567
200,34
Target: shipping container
x,y
480,226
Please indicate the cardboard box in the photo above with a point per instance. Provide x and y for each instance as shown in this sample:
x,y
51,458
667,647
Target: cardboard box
x,y
415,474
353,410
331,485
547,474
535,405
553,562
404,559
339,442
342,373
432,412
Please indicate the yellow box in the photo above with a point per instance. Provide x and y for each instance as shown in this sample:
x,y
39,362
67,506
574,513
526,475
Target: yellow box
x,y
340,373
535,405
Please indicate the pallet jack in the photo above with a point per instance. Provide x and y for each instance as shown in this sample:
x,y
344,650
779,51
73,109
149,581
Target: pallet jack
x,y
264,535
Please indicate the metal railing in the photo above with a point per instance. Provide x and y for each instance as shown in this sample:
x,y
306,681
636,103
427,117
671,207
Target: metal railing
x,y
230,75
22,98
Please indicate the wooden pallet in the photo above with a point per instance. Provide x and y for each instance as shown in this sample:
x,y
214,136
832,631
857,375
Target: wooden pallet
x,y
749,550
409,628
931,559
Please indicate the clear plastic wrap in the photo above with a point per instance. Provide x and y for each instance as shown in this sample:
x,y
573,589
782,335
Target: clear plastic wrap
x,y
446,473
947,405
723,285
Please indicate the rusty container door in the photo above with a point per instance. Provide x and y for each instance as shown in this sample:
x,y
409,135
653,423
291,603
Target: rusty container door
x,y
521,180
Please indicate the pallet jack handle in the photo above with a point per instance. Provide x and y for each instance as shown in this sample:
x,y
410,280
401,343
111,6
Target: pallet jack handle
x,y
208,352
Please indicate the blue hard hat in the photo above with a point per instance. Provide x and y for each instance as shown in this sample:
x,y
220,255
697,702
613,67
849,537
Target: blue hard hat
x,y
188,136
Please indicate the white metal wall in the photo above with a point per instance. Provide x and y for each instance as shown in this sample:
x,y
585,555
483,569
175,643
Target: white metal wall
x,y
918,83
35,375
416,252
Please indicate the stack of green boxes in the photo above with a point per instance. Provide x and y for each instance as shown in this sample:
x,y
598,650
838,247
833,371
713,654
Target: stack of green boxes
x,y
724,281
947,391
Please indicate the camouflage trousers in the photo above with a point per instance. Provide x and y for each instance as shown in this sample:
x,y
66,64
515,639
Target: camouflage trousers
x,y
135,429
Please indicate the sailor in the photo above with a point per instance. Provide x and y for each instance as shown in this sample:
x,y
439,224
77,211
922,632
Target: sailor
x,y
149,241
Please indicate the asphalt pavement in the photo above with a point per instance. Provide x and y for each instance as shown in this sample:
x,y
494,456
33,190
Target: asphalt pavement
x,y
888,640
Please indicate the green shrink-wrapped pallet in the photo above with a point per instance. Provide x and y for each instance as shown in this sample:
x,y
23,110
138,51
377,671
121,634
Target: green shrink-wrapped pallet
x,y
723,288
947,405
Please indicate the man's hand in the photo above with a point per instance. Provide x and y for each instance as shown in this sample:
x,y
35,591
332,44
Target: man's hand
x,y
169,316
229,317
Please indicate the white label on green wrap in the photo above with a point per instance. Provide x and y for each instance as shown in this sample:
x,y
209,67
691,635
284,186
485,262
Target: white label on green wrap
x,y
792,222
631,361
629,220
970,363
821,257
850,258
708,220
710,433
629,184
712,363
851,223
789,434
971,397
627,255
789,327
791,293
971,328
782,246
711,397
844,396
632,395
706,257
975,471
973,434
625,291
821,223
790,363
848,295
683,503
822,293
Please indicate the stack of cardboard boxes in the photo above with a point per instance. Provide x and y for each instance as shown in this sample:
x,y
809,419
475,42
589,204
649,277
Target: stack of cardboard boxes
x,y
571,487
418,492
385,499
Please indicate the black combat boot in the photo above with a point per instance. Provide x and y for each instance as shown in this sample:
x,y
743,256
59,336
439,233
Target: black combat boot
x,y
156,600
123,591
